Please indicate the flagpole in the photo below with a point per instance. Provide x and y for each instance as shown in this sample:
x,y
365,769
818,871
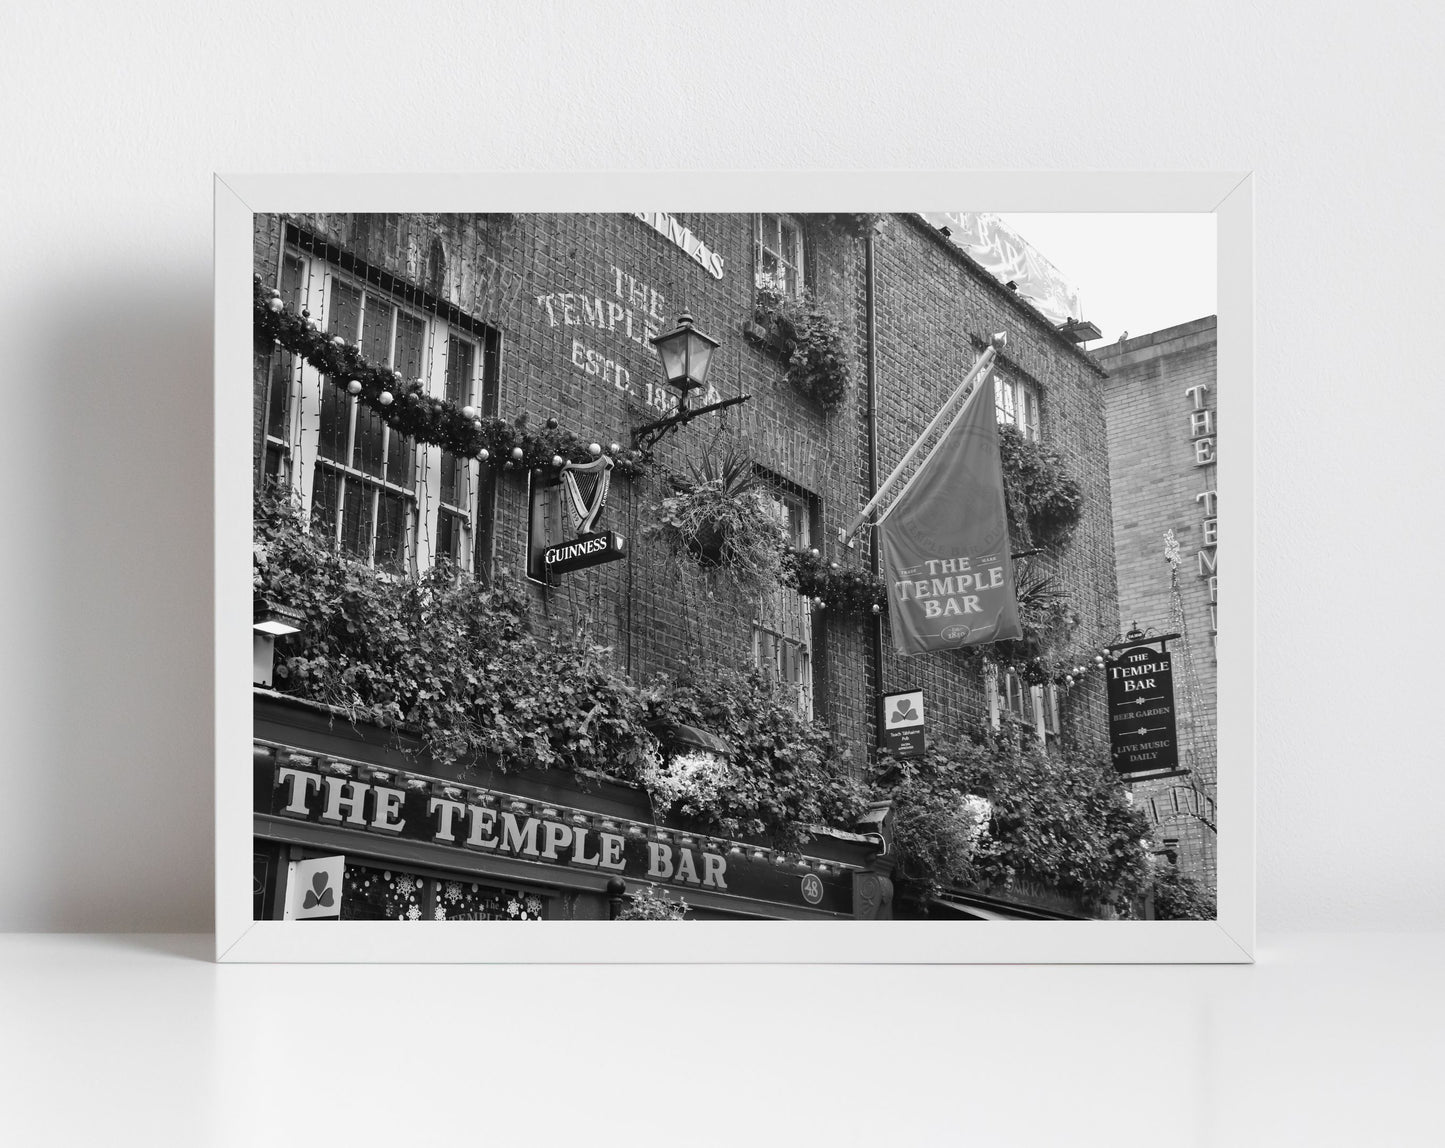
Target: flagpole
x,y
984,361
912,478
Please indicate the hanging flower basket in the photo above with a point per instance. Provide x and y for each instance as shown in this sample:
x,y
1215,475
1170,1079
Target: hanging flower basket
x,y
809,340
718,520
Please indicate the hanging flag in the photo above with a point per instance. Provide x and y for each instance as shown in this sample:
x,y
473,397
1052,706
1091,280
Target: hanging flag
x,y
945,543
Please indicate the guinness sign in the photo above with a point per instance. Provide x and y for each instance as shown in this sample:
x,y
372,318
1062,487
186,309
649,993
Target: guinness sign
x,y
582,491
583,551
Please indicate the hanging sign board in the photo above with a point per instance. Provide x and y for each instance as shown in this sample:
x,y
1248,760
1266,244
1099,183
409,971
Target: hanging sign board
x,y
581,552
555,507
902,724
1141,711
313,888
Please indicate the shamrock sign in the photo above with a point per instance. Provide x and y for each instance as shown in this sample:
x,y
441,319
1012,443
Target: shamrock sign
x,y
903,731
314,888
904,712
320,892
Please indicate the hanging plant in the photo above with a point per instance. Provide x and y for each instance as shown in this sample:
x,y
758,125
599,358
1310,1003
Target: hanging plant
x,y
854,224
718,520
1061,820
785,771
1044,502
653,904
809,340
405,406
1178,896
459,664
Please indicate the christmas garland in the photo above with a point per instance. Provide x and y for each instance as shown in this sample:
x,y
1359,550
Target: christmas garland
x,y
834,587
407,408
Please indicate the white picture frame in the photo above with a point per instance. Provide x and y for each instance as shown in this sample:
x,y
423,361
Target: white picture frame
x,y
1228,939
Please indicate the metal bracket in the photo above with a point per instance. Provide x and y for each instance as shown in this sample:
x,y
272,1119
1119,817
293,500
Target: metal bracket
x,y
645,437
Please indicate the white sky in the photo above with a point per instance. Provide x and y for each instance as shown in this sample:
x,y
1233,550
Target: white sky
x,y
1135,272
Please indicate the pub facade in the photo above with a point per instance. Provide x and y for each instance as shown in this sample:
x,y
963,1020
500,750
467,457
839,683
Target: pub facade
x,y
531,438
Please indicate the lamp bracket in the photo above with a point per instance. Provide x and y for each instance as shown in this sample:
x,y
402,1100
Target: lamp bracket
x,y
645,437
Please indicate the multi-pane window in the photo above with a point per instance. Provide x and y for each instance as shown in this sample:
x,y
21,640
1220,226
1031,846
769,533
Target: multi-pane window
x,y
281,379
1013,699
1016,402
783,629
380,892
378,495
365,485
778,253
456,487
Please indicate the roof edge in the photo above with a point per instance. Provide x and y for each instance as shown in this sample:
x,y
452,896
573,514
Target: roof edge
x,y
1020,304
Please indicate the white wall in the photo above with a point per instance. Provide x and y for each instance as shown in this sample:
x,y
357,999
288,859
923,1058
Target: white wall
x,y
113,118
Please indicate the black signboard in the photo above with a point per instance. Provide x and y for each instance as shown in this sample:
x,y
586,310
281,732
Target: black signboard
x,y
583,551
484,824
1141,711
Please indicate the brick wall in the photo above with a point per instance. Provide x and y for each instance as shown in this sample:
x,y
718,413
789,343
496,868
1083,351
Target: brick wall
x,y
936,309
1157,483
577,296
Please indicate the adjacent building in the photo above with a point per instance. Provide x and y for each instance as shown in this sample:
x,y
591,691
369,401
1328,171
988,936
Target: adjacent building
x,y
1163,415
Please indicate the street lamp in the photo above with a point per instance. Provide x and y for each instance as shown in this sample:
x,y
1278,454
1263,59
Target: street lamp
x,y
686,354
689,750
270,620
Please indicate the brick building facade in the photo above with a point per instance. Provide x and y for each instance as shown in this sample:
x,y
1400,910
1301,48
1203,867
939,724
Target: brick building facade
x,y
552,315
1161,399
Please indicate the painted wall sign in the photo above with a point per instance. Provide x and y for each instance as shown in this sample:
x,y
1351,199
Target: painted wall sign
x,y
487,823
629,314
1203,434
902,723
1141,711
681,236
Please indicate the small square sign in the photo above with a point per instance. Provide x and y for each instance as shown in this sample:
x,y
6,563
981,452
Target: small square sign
x,y
313,888
902,724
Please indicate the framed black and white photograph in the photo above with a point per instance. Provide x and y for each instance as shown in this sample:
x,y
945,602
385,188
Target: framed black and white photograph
x,y
625,581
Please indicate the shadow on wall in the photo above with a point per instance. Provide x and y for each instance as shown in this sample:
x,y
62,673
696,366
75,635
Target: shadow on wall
x,y
115,828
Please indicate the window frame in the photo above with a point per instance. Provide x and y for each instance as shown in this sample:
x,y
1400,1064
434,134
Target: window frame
x,y
792,612
1015,399
1036,709
346,470
796,286
425,510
